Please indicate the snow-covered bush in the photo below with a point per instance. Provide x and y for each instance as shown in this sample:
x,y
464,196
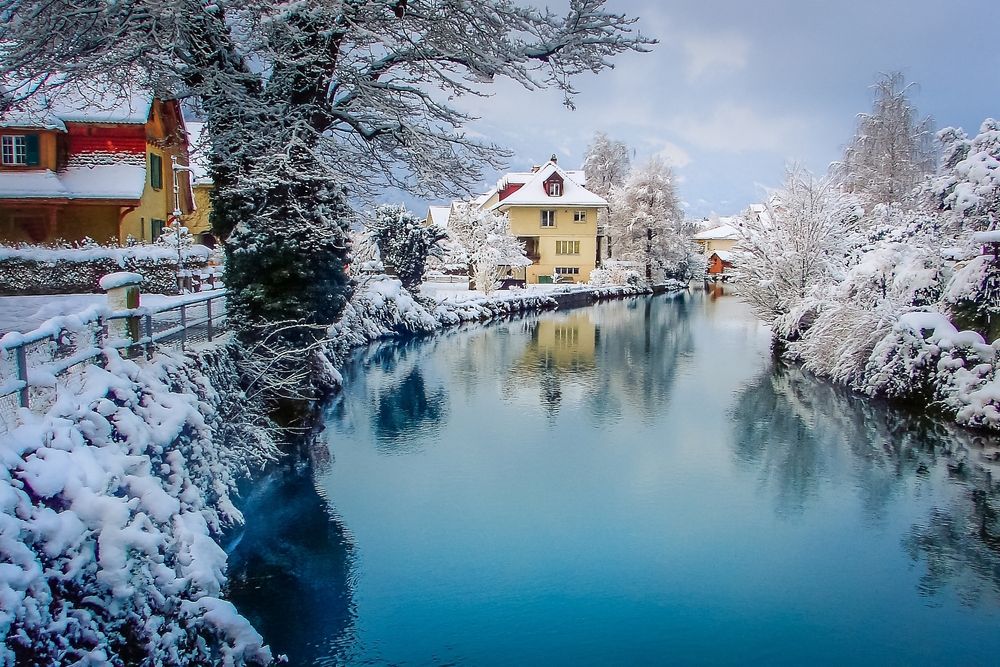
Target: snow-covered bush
x,y
110,503
29,269
403,242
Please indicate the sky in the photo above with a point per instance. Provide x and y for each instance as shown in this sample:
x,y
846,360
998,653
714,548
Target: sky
x,y
738,89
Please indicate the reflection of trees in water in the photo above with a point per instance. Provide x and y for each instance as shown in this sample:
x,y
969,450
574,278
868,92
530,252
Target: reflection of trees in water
x,y
407,407
291,573
798,431
641,345
387,388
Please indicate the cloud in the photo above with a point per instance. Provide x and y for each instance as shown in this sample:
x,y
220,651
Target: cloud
x,y
706,52
735,128
674,155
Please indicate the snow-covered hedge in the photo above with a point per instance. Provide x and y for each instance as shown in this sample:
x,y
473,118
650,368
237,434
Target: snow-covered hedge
x,y
42,270
110,503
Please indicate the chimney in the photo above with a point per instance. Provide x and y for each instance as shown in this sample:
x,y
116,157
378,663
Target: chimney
x,y
535,169
554,159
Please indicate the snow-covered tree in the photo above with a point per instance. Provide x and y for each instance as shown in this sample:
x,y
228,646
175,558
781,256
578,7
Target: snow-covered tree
x,y
799,241
646,224
485,239
892,150
403,241
301,99
606,164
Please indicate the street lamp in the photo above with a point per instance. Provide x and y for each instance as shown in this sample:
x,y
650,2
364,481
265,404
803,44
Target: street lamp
x,y
176,223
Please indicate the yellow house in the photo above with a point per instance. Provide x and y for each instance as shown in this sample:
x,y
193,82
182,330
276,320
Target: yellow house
x,y
718,239
555,216
88,164
201,185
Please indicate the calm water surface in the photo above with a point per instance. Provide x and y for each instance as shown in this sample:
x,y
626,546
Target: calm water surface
x,y
629,484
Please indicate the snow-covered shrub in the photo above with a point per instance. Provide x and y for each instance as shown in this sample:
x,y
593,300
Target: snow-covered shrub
x,y
927,361
403,242
28,269
973,296
110,503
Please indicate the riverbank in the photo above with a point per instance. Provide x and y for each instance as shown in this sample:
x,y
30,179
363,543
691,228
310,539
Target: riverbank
x,y
382,308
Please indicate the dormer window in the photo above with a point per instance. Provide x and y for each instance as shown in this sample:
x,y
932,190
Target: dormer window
x,y
19,149
554,185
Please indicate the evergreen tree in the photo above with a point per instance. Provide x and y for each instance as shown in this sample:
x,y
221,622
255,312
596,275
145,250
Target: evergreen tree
x,y
403,241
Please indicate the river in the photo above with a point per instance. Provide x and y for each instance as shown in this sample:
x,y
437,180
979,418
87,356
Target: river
x,y
634,483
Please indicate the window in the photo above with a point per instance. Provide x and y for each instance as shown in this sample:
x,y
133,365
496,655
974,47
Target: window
x,y
20,149
567,247
15,149
548,218
555,189
579,216
156,227
568,270
155,172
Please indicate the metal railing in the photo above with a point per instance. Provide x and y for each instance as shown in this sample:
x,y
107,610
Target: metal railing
x,y
33,365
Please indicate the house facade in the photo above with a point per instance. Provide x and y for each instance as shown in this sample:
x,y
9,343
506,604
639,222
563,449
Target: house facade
x,y
722,238
555,216
82,166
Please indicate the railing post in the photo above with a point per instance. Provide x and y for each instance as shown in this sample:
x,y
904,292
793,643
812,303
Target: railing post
x,y
208,308
22,375
149,336
183,326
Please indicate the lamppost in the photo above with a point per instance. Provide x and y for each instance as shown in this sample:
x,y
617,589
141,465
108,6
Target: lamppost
x,y
176,222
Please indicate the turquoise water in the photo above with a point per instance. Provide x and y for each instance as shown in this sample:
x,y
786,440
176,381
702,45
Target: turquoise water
x,y
630,484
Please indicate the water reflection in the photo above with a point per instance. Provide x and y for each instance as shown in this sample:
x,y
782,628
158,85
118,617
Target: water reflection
x,y
799,434
405,407
291,571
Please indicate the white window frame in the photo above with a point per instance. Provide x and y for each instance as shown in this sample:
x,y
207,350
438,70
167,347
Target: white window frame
x,y
548,218
14,149
568,270
555,189
579,216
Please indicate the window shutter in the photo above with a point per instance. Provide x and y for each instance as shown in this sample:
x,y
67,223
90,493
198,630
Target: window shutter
x,y
155,171
31,150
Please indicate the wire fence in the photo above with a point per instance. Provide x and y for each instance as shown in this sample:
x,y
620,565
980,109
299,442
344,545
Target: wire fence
x,y
35,365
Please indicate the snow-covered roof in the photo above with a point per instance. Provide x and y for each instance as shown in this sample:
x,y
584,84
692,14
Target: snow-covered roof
x,y
198,149
533,192
724,255
106,181
523,177
93,102
438,215
722,233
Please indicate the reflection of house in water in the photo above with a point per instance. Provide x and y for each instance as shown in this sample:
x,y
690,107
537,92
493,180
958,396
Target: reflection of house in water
x,y
558,347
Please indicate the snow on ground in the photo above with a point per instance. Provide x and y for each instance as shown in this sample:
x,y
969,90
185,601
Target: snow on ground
x,y
24,313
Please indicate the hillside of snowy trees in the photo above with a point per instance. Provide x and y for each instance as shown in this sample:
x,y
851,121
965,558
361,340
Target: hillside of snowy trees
x,y
883,274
